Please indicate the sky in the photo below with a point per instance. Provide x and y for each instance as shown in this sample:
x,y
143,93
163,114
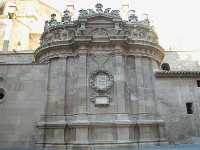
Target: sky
x,y
177,22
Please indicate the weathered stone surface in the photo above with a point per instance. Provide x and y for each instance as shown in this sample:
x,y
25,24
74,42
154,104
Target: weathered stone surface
x,y
25,87
17,58
172,95
94,47
53,103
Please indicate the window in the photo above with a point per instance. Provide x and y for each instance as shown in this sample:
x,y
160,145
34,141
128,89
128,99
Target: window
x,y
198,83
189,107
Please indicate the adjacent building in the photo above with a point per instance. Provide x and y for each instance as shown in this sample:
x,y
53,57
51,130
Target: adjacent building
x,y
21,23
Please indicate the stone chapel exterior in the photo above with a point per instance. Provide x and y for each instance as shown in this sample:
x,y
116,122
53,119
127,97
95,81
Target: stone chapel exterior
x,y
99,82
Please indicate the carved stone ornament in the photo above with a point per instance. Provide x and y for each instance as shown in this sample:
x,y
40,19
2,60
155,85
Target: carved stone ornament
x,y
66,17
101,81
100,26
99,8
115,13
83,13
53,21
99,11
132,17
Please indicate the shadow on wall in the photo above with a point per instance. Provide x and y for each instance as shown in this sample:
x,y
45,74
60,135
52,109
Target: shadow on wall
x,y
182,60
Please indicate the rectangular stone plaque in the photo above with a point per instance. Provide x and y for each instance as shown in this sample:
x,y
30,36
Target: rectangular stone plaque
x,y
102,100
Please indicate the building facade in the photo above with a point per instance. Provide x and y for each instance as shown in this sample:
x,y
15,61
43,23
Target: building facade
x,y
21,23
97,82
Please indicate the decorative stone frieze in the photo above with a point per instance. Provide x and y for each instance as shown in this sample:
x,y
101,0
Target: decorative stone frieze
x,y
100,26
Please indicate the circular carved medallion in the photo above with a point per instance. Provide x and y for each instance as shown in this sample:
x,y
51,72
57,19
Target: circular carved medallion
x,y
101,81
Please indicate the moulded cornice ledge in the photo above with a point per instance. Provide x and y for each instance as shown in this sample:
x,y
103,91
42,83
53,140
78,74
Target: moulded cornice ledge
x,y
177,74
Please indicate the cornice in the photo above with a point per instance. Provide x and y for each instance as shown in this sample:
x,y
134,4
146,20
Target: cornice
x,y
71,48
75,122
177,74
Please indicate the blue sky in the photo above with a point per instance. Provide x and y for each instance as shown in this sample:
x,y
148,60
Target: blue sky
x,y
177,22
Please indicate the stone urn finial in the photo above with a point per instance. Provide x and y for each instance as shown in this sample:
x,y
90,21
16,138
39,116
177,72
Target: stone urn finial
x,y
99,7
66,17
132,17
53,16
53,21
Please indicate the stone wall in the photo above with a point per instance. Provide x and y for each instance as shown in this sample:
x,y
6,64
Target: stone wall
x,y
25,100
16,58
172,95
65,84
74,118
97,87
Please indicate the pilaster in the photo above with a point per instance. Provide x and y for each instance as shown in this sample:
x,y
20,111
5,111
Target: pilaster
x,y
119,84
82,84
